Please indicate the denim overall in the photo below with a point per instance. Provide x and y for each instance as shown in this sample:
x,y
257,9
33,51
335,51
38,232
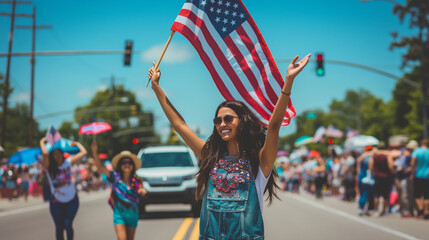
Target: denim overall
x,y
230,208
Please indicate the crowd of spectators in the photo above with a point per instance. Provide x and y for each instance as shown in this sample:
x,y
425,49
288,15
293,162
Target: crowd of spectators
x,y
383,180
30,180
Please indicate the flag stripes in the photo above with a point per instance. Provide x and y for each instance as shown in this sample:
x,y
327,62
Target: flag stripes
x,y
240,64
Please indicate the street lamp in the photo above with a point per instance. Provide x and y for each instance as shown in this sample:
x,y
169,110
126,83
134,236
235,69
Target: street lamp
x,y
422,72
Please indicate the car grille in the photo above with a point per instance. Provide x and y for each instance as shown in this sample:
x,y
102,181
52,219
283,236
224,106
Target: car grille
x,y
165,181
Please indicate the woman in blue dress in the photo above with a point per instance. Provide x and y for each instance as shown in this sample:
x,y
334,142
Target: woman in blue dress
x,y
237,162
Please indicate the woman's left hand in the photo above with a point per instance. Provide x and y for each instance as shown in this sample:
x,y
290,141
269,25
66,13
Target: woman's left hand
x,y
296,67
142,191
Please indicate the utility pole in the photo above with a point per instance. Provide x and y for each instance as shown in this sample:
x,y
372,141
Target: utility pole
x,y
34,27
6,91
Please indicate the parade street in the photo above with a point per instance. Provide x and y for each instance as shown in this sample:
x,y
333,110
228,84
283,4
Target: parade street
x,y
294,217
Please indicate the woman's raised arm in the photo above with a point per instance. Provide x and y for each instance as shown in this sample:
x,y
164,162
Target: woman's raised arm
x,y
176,120
268,153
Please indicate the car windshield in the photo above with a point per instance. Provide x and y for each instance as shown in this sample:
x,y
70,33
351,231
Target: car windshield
x,y
167,159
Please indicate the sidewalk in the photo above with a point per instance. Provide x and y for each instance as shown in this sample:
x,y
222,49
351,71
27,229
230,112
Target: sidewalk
x,y
19,203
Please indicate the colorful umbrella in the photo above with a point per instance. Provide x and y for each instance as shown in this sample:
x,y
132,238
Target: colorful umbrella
x,y
314,153
360,141
94,128
303,140
27,156
102,156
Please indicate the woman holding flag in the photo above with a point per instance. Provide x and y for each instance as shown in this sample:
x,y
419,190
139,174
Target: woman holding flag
x,y
64,201
237,161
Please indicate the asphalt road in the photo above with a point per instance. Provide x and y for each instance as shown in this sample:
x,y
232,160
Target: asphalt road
x,y
294,217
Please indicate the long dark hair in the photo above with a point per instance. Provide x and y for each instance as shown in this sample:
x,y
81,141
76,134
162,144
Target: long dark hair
x,y
119,169
251,138
53,166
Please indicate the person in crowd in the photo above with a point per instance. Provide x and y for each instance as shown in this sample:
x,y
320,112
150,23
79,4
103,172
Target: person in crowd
x,y
365,179
283,169
348,176
2,180
411,204
24,174
64,201
336,179
237,161
308,174
382,167
402,175
10,178
320,176
420,175
126,189
296,176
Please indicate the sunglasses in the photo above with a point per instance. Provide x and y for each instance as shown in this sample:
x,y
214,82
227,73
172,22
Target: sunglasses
x,y
126,162
227,119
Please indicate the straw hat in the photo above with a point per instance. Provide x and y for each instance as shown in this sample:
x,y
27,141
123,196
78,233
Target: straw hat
x,y
126,154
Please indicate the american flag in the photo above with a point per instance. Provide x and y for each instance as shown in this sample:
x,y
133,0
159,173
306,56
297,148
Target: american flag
x,y
237,57
52,135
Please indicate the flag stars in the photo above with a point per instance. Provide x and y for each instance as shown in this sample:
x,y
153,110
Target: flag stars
x,y
228,4
225,21
234,14
241,15
217,19
226,12
203,2
212,1
236,5
218,11
224,29
212,9
220,2
233,22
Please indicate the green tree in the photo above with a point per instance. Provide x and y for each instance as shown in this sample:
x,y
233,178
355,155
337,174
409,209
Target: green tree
x,y
120,108
407,117
17,129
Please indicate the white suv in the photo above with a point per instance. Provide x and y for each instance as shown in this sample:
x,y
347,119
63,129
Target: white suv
x,y
169,176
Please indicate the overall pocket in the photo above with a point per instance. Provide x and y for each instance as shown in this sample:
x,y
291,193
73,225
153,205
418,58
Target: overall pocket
x,y
233,200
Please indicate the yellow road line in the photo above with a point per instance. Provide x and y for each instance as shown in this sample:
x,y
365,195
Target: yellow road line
x,y
183,229
196,232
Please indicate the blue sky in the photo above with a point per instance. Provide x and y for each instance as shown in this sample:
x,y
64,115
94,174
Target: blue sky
x,y
346,30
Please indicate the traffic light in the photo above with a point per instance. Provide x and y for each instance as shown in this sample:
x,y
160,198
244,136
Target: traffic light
x,y
330,141
135,141
320,70
128,52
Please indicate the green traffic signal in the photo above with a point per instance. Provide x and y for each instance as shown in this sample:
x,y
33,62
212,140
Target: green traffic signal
x,y
320,71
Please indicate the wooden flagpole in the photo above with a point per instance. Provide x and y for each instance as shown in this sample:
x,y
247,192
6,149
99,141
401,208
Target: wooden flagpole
x,y
162,54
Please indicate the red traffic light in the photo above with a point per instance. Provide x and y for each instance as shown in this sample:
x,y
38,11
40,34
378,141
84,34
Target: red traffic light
x,y
319,57
135,140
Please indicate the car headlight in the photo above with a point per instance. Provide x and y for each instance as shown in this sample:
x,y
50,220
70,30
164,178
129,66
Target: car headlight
x,y
189,177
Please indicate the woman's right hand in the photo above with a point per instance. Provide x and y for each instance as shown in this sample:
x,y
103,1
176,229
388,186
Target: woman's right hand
x,y
154,75
43,140
94,146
